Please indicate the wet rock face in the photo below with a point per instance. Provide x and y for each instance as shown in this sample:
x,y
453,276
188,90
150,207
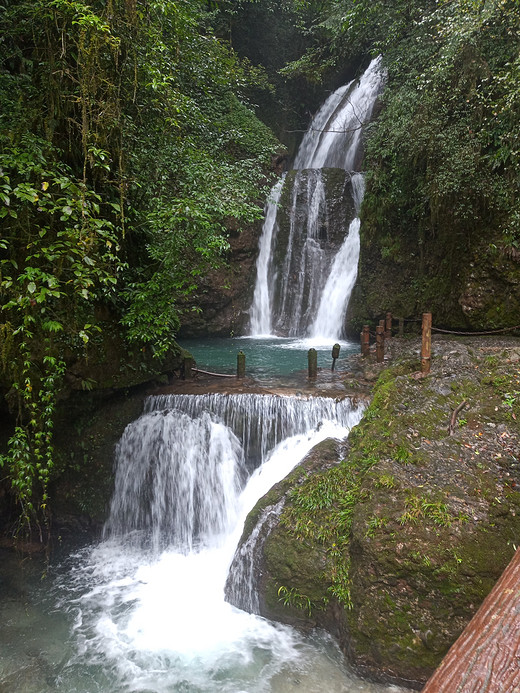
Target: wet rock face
x,y
225,295
394,548
491,293
474,287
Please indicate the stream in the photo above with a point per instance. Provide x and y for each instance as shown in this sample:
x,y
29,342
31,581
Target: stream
x,y
143,610
45,646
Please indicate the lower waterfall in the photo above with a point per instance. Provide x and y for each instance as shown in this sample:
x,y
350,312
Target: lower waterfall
x,y
147,603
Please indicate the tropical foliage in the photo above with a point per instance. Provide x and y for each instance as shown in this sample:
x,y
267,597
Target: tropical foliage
x,y
126,145
446,148
443,156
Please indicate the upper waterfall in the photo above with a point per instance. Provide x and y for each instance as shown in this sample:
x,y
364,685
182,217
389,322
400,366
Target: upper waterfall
x,y
307,264
334,137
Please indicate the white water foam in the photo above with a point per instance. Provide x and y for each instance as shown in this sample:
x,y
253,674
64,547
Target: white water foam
x,y
261,308
157,621
340,282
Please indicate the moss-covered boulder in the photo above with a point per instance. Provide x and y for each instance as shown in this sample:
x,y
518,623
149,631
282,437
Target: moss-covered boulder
x,y
471,284
290,584
393,548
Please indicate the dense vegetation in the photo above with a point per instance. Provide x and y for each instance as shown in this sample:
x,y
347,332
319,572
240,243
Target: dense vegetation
x,y
128,143
446,145
443,156
444,162
125,147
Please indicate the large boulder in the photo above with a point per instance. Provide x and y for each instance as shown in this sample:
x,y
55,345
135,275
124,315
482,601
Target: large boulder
x,y
392,545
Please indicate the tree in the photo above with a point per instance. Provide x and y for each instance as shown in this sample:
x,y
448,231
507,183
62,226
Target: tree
x,y
125,147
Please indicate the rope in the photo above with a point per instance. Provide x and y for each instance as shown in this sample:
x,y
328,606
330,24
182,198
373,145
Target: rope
x,y
477,334
463,334
217,375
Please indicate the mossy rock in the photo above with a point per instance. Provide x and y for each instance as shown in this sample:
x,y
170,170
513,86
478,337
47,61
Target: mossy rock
x,y
409,272
393,549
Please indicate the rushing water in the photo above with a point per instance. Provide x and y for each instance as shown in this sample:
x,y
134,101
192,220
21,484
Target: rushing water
x,y
261,311
304,278
144,610
334,137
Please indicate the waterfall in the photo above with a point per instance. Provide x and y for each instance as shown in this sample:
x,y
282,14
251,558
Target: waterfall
x,y
259,422
242,582
307,266
170,469
147,603
334,137
261,315
333,304
181,467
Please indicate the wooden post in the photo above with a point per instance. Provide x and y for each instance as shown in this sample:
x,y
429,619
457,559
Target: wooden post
x,y
241,364
388,326
380,343
187,368
335,354
485,657
312,358
365,341
401,327
426,349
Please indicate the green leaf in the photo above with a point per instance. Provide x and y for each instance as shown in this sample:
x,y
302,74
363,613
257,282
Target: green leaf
x,y
52,326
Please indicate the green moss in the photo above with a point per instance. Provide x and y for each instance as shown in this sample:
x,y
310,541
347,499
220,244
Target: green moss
x,y
421,508
404,553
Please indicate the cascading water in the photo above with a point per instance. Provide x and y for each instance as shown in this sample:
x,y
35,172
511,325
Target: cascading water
x,y
144,610
332,308
307,267
165,492
259,422
146,605
150,616
261,316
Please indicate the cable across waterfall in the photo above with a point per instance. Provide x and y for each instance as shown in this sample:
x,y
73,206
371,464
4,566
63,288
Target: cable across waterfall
x,y
309,248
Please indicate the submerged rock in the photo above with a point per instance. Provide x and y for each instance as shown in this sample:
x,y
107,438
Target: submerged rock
x,y
393,548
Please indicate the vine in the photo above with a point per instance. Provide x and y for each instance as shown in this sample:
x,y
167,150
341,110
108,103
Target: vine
x,y
29,456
